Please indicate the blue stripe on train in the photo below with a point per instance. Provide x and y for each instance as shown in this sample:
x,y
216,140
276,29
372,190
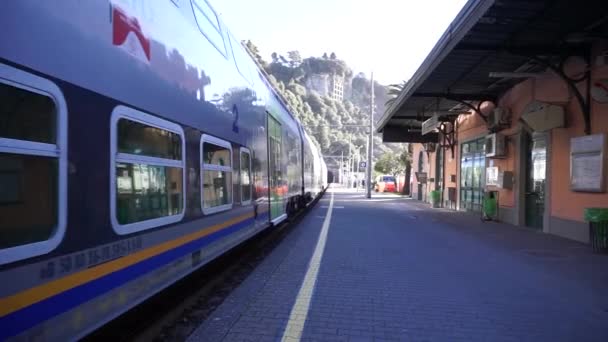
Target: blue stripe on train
x,y
19,321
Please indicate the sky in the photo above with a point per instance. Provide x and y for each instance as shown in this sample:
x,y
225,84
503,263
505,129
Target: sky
x,y
390,38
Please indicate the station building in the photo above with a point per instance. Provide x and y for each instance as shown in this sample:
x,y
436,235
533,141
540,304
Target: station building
x,y
513,100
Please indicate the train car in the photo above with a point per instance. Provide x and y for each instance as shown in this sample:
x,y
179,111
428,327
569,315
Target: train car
x,y
138,142
311,168
324,174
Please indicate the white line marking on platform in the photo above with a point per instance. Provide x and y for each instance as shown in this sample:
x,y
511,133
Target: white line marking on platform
x,y
299,311
336,207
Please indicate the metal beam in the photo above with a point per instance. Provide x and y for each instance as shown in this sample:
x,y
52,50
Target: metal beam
x,y
339,126
400,134
584,100
414,117
523,50
458,97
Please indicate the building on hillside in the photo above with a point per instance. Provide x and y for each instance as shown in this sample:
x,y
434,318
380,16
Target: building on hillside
x,y
337,87
509,103
318,83
330,85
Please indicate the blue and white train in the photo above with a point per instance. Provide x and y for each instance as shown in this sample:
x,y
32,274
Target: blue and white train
x,y
138,141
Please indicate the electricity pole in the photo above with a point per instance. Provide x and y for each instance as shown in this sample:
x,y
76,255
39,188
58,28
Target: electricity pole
x,y
342,168
350,159
370,145
357,167
358,159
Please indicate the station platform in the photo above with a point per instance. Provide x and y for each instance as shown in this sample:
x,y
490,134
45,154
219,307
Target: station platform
x,y
392,269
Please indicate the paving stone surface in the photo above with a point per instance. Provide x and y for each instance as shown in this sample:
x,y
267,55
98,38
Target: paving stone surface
x,y
394,269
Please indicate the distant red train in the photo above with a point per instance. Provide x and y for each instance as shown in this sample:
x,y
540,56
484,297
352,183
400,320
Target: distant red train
x,y
385,183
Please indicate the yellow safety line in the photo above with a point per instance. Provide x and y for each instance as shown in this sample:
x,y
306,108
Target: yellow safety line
x,y
301,308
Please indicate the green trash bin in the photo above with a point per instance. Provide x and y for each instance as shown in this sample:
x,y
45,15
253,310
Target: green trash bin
x,y
489,210
435,198
598,228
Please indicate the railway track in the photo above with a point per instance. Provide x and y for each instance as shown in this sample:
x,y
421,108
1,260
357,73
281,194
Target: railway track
x,y
174,313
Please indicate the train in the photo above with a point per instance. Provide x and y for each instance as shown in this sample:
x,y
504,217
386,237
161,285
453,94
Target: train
x,y
139,140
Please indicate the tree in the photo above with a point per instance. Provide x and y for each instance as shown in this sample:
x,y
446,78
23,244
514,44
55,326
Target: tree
x,y
315,101
324,117
297,89
255,53
294,58
324,137
283,60
406,159
389,164
393,92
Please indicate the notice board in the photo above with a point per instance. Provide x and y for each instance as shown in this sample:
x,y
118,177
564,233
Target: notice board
x,y
421,177
588,163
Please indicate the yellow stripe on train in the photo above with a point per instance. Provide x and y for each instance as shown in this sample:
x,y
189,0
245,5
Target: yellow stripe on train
x,y
31,296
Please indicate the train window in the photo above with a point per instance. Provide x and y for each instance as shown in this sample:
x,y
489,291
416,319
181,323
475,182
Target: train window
x,y
245,176
216,156
141,139
33,140
208,24
27,115
240,59
147,171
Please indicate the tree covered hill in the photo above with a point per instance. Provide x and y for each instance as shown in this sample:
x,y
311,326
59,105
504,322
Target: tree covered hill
x,y
328,100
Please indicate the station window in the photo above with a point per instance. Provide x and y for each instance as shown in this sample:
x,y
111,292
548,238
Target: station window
x,y
216,169
147,171
208,24
33,140
245,176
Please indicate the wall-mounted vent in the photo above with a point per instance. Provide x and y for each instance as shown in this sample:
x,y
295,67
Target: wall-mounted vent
x,y
495,145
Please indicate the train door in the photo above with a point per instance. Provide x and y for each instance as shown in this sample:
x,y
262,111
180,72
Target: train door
x,y
278,187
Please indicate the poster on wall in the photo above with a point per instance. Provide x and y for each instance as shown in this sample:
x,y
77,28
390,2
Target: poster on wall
x,y
492,176
587,163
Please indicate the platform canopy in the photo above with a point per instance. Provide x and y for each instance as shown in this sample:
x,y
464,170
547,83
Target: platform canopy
x,y
513,37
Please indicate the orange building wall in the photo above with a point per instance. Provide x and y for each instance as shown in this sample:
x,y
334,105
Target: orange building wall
x,y
415,160
563,202
468,127
515,100
429,167
567,204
